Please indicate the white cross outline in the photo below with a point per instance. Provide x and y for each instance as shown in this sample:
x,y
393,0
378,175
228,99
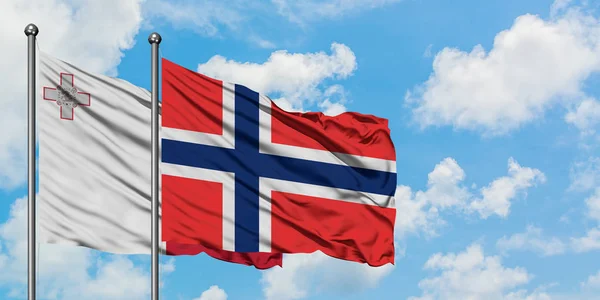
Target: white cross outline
x,y
66,95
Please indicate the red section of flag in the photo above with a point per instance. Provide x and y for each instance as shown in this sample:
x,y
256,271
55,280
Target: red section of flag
x,y
349,133
195,101
260,261
352,231
196,203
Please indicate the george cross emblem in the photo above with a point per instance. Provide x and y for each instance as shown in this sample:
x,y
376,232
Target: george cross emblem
x,y
66,96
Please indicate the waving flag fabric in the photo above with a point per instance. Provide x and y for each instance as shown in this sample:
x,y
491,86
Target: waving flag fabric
x,y
94,165
242,175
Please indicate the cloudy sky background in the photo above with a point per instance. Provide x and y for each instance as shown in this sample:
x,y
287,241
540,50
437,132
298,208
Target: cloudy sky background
x,y
494,110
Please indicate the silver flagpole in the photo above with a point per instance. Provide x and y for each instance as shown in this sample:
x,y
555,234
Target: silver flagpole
x,y
154,40
31,32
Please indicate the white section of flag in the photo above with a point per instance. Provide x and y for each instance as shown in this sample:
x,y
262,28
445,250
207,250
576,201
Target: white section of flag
x,y
94,170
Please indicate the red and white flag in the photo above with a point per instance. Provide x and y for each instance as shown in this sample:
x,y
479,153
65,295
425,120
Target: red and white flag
x,y
242,175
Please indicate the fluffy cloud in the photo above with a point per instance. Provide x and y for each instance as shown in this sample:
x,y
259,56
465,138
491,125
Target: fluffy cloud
x,y
75,31
585,175
213,293
215,18
532,66
593,205
592,283
306,273
303,86
497,195
309,10
524,295
559,6
67,272
472,275
586,116
533,240
589,242
204,16
419,211
415,214
108,283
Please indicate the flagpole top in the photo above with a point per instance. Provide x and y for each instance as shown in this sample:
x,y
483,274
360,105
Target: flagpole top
x,y
154,38
31,29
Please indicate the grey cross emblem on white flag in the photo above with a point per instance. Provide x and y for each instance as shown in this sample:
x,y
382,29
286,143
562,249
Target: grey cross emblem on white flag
x,y
66,96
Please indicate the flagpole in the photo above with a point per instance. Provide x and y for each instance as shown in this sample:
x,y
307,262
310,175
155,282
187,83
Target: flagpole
x,y
154,39
31,32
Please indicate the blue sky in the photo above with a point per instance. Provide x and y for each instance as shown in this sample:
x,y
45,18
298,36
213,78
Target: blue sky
x,y
493,109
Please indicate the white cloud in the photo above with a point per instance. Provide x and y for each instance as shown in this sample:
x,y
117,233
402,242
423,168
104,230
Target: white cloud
x,y
586,116
559,6
471,275
168,267
74,31
67,272
593,205
109,283
496,196
262,43
304,274
310,10
415,214
524,295
588,291
533,240
300,87
419,211
332,109
335,98
211,18
591,241
286,105
427,52
443,185
585,175
587,243
204,16
245,18
213,293
532,66
592,283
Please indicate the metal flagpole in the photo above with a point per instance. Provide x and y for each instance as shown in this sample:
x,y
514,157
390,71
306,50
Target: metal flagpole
x,y
31,32
154,39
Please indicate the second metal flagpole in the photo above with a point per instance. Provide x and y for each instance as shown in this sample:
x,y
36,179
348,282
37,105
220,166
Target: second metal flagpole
x,y
154,39
31,32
